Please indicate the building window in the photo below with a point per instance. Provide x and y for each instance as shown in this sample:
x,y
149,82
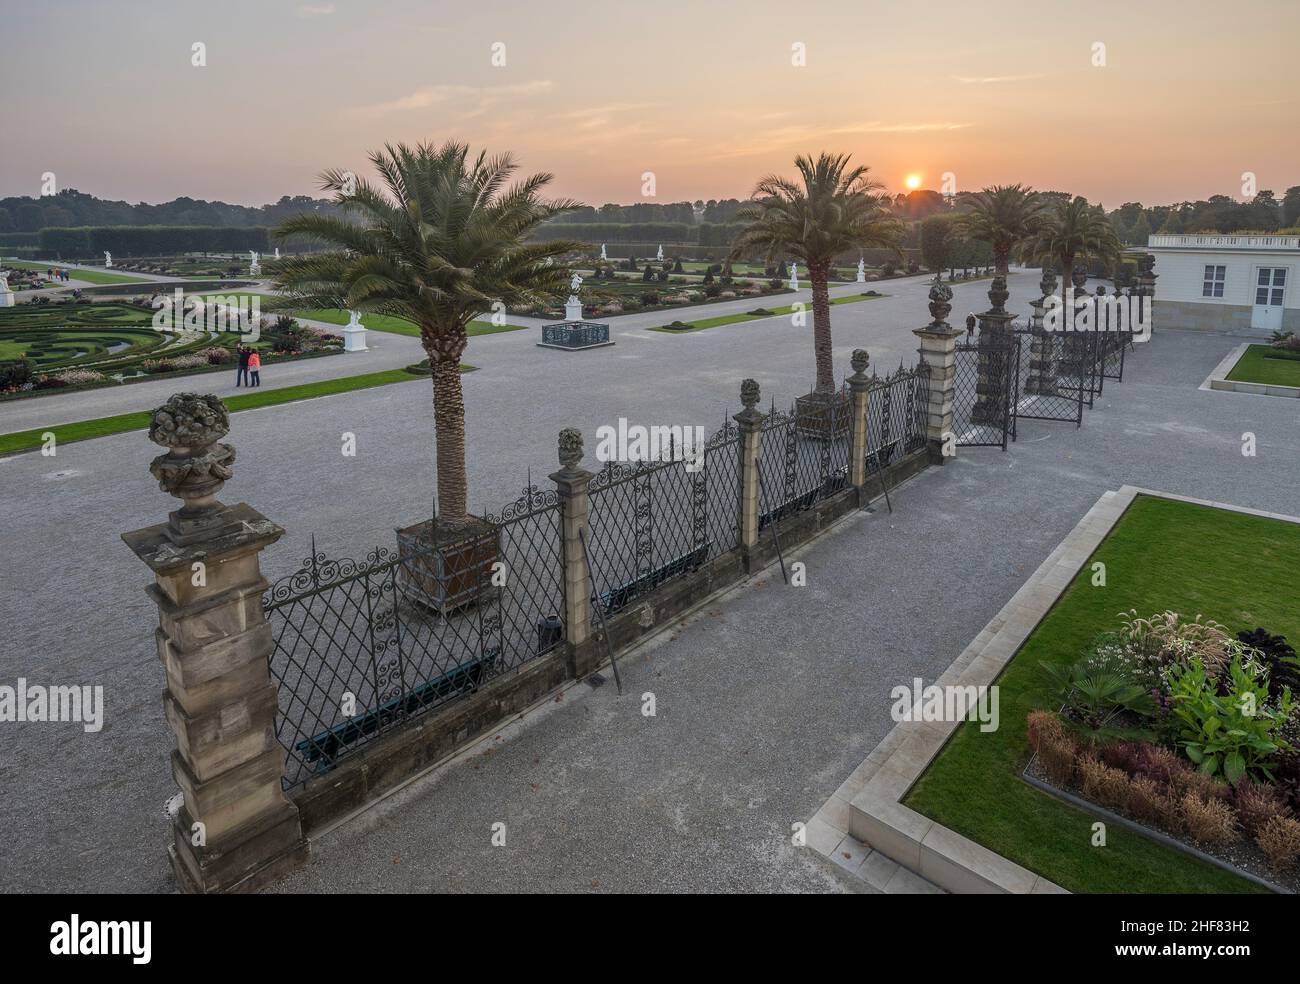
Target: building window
x,y
1212,285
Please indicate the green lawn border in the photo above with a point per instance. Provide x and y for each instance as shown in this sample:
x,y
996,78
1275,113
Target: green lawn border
x,y
83,430
1258,364
85,276
974,785
732,319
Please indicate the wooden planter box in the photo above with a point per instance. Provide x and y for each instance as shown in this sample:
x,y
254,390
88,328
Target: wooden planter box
x,y
454,572
823,416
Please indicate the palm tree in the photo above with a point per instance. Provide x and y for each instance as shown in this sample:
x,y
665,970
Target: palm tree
x,y
439,241
1003,216
833,210
1071,232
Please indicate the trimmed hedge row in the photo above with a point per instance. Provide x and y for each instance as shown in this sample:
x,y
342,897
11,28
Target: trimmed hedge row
x,y
89,241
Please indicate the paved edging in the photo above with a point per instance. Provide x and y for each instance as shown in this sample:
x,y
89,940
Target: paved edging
x,y
1219,382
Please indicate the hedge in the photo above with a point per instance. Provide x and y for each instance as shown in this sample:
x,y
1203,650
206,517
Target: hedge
x,y
90,241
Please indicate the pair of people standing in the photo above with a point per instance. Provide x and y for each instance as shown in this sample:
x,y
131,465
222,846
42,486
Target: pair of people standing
x,y
250,366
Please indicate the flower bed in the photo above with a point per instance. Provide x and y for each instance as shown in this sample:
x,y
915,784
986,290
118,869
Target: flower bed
x,y
1179,726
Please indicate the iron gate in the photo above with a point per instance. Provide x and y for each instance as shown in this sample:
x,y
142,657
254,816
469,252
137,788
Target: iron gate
x,y
984,389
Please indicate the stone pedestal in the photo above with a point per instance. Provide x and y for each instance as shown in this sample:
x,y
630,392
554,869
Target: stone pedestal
x,y
236,829
7,298
571,487
1042,378
750,423
860,391
573,309
354,338
939,354
994,353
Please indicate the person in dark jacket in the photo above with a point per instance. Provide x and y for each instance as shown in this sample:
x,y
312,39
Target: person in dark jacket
x,y
244,352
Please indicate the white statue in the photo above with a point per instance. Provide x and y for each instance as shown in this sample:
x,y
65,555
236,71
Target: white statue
x,y
794,275
354,334
354,319
575,283
108,258
602,252
6,295
277,252
660,255
862,270
254,267
4,281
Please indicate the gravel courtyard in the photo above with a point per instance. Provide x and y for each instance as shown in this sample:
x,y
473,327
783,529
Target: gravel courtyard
x,y
765,702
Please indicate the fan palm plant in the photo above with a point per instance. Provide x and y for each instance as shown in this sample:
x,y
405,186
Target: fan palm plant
x,y
1004,216
440,239
1073,231
830,210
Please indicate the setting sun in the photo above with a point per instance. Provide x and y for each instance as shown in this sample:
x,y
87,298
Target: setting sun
x,y
913,181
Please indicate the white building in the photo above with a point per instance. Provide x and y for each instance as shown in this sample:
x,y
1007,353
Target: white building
x,y
1227,283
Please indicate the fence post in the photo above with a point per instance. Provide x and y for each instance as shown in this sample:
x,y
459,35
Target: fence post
x,y
1042,346
1146,288
236,830
860,389
939,353
750,423
571,489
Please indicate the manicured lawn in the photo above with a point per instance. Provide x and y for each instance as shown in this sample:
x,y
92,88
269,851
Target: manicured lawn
x,y
731,319
1237,569
82,430
87,276
1254,366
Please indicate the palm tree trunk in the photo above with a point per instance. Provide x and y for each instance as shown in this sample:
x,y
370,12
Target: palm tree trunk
x,y
819,273
445,347
1002,259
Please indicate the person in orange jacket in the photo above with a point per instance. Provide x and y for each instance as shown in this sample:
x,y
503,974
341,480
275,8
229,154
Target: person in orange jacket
x,y
255,368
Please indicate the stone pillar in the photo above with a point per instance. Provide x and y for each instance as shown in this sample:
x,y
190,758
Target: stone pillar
x,y
236,829
1146,291
939,353
860,390
571,486
1042,347
750,423
994,352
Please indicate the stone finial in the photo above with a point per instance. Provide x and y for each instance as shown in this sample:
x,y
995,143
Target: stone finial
x,y
749,393
196,464
940,304
859,361
1048,284
1079,276
998,295
570,448
1101,290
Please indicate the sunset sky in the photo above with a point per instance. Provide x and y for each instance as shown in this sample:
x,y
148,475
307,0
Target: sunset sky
x,y
703,94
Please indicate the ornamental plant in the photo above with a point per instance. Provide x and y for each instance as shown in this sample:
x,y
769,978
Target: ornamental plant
x,y
1236,733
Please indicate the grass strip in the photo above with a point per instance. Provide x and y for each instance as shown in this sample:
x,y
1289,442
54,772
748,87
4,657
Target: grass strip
x,y
731,319
1262,364
83,430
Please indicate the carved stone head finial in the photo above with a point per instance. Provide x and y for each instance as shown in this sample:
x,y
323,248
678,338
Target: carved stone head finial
x,y
998,294
1079,276
940,304
749,393
859,361
570,448
196,464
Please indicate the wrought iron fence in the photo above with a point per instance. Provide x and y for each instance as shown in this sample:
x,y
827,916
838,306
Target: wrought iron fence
x,y
1044,389
985,371
362,646
804,456
897,415
651,521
